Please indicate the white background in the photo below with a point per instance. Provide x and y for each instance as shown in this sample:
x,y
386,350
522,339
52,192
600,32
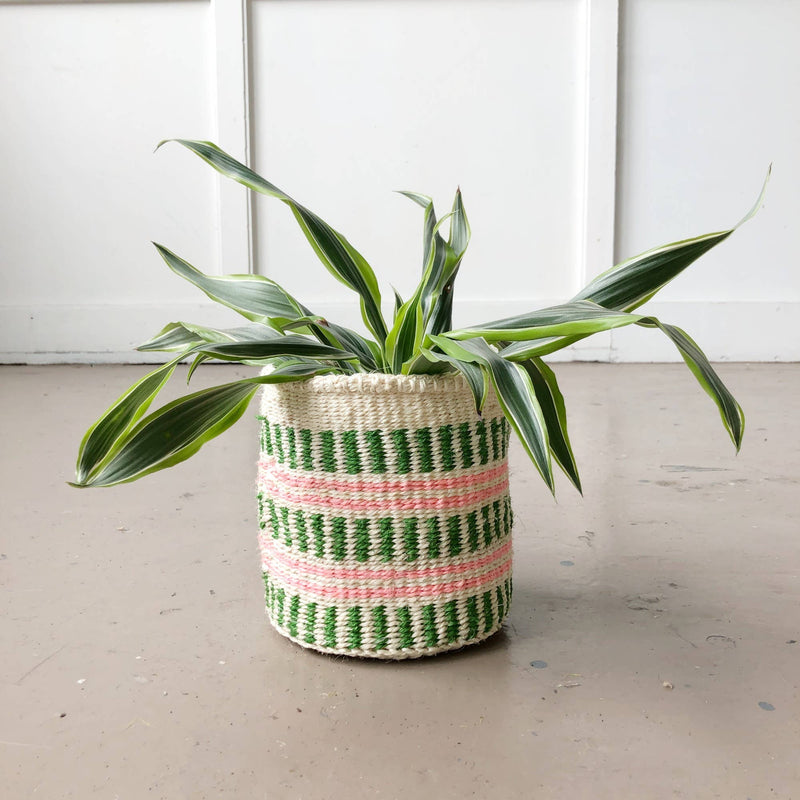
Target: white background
x,y
580,131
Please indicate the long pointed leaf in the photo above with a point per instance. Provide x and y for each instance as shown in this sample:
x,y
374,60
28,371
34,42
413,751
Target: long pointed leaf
x,y
575,318
341,259
554,411
516,395
473,374
635,281
179,429
730,411
296,346
100,439
253,296
180,335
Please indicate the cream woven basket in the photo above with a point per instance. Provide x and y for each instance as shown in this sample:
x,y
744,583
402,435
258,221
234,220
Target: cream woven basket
x,y
385,515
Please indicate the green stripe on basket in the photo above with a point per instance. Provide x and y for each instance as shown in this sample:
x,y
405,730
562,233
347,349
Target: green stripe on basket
x,y
451,621
425,449
465,442
488,616
307,448
278,434
354,627
292,444
483,448
429,629
328,446
487,526
262,522
411,538
352,459
377,453
500,604
453,536
495,425
302,531
402,451
280,596
405,631
273,518
330,626
318,527
380,627
287,531
339,538
446,451
498,524
266,436
294,613
311,622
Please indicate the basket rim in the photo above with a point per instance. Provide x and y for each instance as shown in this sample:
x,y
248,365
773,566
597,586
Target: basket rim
x,y
376,383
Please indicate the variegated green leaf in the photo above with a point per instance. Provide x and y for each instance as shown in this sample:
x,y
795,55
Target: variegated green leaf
x,y
730,411
554,411
516,395
341,259
180,335
179,429
253,296
576,318
473,373
633,282
290,345
112,425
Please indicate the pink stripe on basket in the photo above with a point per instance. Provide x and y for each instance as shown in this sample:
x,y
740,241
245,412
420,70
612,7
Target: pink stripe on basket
x,y
378,484
271,551
417,503
293,583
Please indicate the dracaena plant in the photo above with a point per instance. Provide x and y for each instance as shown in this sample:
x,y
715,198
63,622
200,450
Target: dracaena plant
x,y
506,355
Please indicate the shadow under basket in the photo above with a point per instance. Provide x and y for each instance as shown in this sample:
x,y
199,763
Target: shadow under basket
x,y
384,513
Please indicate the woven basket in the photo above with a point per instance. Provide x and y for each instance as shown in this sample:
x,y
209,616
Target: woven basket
x,y
384,512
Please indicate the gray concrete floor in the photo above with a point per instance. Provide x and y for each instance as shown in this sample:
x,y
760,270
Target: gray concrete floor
x,y
652,649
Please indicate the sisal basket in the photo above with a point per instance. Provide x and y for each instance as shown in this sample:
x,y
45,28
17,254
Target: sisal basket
x,y
385,515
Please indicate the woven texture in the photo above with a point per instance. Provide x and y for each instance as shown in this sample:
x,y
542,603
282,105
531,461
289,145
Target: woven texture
x,y
384,512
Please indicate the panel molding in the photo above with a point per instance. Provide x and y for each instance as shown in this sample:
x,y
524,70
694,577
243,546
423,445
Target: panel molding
x,y
601,42
232,93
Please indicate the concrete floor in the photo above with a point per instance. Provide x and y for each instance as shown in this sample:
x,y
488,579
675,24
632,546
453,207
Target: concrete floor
x,y
653,648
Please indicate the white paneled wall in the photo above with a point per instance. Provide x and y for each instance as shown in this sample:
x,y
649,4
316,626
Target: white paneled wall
x,y
567,156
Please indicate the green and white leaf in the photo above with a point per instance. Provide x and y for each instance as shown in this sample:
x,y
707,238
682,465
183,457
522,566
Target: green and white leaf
x,y
119,418
635,281
554,412
180,335
179,429
730,411
341,259
253,296
516,395
473,373
290,345
569,319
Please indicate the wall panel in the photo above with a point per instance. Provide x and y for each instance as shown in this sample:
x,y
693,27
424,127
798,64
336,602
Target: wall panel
x,y
352,99
708,98
87,91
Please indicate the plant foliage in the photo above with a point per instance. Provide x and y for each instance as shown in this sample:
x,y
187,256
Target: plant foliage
x,y
504,356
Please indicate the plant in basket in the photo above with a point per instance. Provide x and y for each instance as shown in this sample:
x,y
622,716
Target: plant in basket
x,y
383,474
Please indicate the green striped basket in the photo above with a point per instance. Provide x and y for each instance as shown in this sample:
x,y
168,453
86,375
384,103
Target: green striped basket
x,y
385,515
